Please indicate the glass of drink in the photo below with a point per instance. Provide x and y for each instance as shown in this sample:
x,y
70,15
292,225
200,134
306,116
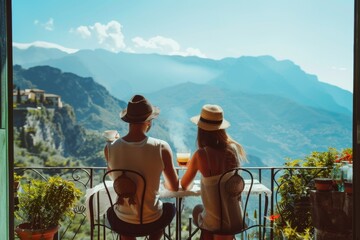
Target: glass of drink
x,y
337,178
183,158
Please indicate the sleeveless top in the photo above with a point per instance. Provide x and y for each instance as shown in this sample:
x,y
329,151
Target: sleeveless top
x,y
145,158
231,206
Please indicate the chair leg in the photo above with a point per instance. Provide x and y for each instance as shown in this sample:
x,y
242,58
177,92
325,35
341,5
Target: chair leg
x,y
201,235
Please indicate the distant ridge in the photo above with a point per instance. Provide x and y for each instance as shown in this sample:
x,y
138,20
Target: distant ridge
x,y
46,45
276,109
270,127
124,74
94,107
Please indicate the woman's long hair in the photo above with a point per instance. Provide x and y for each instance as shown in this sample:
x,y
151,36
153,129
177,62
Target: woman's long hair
x,y
219,139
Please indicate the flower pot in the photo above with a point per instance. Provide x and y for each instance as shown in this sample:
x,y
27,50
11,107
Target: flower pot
x,y
323,184
24,232
348,187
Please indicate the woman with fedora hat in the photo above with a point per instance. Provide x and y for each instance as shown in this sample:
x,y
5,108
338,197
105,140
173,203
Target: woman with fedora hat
x,y
216,153
149,156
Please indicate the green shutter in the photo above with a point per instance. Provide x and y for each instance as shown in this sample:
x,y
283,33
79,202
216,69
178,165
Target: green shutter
x,y
6,145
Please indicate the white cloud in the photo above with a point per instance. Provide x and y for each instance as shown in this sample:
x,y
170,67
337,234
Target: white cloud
x,y
83,31
108,36
44,45
339,68
163,45
49,25
194,52
159,43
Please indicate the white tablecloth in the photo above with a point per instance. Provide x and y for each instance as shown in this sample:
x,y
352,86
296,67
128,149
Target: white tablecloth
x,y
257,189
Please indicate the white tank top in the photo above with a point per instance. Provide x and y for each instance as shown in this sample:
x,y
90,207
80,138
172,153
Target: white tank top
x,y
231,207
144,157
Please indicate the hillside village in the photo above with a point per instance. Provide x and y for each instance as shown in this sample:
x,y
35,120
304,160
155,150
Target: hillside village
x,y
35,98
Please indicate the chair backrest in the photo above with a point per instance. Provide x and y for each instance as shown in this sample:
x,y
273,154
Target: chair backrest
x,y
231,185
105,195
128,185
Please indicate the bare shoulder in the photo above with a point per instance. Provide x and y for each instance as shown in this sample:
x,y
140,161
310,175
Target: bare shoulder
x,y
164,145
197,157
200,154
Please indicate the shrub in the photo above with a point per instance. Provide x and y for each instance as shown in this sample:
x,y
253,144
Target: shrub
x,y
45,204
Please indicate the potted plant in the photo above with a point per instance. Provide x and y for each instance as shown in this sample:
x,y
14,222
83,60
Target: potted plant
x,y
43,205
324,184
295,186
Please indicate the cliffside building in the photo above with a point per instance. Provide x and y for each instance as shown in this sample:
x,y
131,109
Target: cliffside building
x,y
29,96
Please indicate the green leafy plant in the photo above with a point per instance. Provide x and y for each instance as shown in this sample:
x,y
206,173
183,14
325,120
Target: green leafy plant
x,y
44,204
294,190
17,177
289,232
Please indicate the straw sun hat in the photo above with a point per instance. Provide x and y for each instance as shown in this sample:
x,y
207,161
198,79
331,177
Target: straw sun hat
x,y
211,118
139,110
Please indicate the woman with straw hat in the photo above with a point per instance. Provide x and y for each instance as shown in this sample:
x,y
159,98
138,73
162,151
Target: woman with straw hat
x,y
216,153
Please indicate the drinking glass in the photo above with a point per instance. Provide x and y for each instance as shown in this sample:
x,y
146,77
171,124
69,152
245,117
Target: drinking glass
x,y
337,178
182,158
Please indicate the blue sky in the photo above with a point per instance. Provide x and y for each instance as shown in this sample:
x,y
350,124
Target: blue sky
x,y
315,34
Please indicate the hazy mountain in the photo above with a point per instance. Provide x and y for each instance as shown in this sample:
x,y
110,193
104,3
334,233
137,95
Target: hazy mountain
x,y
265,75
270,127
38,54
124,74
276,109
94,107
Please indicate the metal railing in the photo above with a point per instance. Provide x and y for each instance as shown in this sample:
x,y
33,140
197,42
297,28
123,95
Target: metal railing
x,y
88,177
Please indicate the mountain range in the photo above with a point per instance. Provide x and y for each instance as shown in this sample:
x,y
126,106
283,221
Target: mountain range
x,y
276,109
93,104
125,74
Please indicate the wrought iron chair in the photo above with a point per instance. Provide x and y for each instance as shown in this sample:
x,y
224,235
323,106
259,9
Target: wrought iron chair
x,y
127,186
231,185
98,221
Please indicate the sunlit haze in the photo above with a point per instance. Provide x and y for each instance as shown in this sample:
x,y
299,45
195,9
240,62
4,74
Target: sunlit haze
x,y
317,35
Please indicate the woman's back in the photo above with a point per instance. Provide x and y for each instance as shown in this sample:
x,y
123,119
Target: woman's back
x,y
216,161
213,163
216,153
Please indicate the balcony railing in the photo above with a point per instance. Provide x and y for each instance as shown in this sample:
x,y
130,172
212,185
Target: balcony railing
x,y
88,177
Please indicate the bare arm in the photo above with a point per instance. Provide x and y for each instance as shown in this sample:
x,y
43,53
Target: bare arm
x,y
106,152
189,175
170,175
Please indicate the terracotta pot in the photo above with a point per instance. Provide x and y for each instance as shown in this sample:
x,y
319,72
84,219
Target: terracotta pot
x,y
348,187
24,233
323,184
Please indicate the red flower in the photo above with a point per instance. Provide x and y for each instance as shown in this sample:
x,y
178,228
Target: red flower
x,y
346,157
274,217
